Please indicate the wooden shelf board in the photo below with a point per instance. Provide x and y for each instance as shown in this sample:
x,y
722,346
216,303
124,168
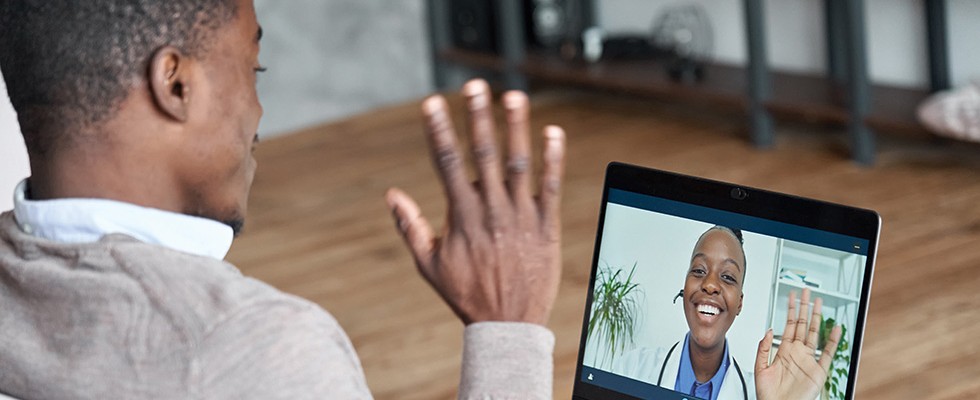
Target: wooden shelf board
x,y
723,85
473,59
893,110
795,96
830,298
807,97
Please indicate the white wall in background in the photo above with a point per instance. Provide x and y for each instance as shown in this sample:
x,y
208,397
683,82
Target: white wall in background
x,y
13,155
331,59
964,40
895,31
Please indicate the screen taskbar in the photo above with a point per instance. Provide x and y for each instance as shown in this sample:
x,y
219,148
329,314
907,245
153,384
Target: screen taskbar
x,y
629,386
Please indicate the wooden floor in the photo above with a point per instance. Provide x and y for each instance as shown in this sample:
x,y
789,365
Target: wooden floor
x,y
318,228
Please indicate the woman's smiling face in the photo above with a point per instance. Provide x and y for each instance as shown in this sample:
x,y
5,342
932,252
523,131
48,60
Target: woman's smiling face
x,y
713,288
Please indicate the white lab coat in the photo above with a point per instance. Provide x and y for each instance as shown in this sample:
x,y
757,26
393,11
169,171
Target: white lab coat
x,y
645,364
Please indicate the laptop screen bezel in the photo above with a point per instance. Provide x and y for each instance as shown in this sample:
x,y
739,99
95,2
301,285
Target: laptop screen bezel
x,y
784,208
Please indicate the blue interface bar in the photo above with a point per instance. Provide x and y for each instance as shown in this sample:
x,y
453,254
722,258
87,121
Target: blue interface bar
x,y
763,226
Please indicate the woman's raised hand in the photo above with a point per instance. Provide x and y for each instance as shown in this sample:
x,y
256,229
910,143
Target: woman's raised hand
x,y
795,372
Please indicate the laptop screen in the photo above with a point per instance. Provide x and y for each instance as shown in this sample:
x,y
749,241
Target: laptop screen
x,y
682,294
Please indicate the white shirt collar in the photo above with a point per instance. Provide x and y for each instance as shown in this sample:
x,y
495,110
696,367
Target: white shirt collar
x,y
87,220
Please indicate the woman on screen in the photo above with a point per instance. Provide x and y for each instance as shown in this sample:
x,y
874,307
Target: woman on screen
x,y
712,298
699,364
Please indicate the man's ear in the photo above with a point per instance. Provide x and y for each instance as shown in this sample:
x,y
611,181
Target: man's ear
x,y
740,298
169,76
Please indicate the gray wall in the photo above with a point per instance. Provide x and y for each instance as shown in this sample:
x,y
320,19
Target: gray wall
x,y
13,155
329,59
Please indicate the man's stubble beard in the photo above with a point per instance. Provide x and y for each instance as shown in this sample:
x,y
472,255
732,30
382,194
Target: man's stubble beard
x,y
235,224
234,219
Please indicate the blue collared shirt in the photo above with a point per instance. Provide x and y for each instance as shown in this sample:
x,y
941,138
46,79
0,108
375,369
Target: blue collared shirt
x,y
688,383
87,220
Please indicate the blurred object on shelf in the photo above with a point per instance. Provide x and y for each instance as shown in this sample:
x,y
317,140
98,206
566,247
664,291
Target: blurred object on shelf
x,y
597,45
549,20
551,23
473,24
684,31
953,113
590,46
799,276
681,37
631,47
559,26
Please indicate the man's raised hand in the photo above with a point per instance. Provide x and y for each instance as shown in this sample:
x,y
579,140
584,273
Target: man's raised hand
x,y
498,257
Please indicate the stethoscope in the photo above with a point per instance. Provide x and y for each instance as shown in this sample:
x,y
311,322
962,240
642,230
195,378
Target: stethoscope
x,y
741,378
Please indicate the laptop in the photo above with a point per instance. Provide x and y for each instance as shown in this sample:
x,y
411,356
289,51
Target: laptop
x,y
689,275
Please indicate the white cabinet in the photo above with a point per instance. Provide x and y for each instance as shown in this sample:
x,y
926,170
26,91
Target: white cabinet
x,y
832,275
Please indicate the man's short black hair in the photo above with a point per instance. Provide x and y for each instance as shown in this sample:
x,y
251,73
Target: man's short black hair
x,y
68,64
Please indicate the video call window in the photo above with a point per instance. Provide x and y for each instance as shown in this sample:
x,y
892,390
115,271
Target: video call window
x,y
639,322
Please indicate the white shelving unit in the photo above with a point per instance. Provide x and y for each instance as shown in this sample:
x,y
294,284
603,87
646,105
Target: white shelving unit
x,y
838,273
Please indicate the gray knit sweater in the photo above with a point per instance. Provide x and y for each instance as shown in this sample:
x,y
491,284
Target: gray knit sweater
x,y
122,319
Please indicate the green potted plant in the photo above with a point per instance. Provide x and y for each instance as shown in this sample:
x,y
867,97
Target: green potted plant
x,y
615,309
835,386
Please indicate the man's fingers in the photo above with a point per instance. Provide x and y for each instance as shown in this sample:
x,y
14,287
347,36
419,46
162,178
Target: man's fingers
x,y
762,356
414,228
816,320
479,101
445,151
830,349
801,321
551,179
791,315
518,146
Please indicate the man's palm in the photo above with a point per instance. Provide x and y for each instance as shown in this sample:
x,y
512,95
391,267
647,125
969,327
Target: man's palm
x,y
499,256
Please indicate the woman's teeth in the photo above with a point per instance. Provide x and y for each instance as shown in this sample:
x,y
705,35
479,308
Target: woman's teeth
x,y
710,310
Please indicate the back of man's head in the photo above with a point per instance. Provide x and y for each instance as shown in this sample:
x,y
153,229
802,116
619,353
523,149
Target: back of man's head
x,y
69,64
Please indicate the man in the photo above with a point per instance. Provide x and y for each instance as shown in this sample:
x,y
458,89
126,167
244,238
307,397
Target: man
x,y
140,118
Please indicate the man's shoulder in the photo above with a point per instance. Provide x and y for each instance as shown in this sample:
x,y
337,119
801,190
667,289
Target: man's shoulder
x,y
209,291
192,293
146,314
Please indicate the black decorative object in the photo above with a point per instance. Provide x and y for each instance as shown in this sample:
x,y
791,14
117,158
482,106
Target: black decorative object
x,y
685,32
548,22
474,25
